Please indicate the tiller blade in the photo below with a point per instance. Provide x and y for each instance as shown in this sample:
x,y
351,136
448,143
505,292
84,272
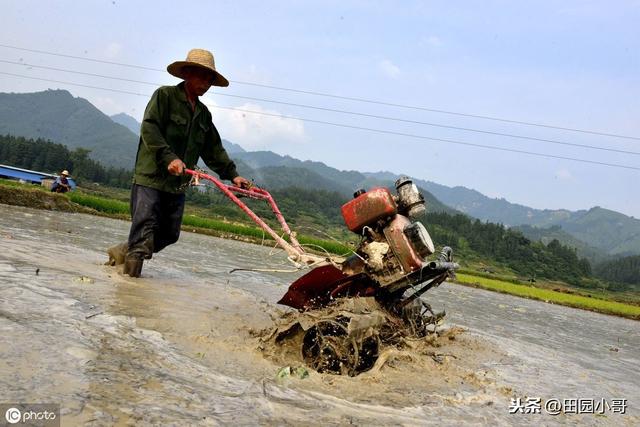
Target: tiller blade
x,y
319,286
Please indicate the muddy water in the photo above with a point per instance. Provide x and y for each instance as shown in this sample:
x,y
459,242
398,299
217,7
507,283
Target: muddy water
x,y
177,346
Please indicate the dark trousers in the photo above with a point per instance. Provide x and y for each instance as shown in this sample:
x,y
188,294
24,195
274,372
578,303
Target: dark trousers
x,y
156,217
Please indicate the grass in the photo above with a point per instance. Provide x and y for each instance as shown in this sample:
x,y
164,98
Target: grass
x,y
225,227
100,204
551,296
329,245
596,290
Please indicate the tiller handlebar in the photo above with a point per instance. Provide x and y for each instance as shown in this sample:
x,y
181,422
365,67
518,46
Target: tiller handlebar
x,y
294,249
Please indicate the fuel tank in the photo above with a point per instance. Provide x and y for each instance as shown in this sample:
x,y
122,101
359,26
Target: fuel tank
x,y
367,208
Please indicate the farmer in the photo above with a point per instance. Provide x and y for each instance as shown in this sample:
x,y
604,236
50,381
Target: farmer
x,y
61,184
176,130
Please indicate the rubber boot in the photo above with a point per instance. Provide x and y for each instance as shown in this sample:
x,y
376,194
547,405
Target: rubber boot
x,y
117,254
132,266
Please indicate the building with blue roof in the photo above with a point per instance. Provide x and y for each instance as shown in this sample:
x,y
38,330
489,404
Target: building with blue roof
x,y
32,177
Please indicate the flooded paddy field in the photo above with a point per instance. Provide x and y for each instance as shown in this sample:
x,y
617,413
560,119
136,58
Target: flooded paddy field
x,y
180,345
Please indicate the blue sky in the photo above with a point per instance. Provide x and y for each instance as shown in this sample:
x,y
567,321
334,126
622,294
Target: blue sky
x,y
571,64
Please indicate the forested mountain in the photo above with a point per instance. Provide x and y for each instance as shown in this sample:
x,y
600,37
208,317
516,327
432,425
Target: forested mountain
x,y
500,211
625,271
614,232
276,177
277,171
511,248
57,116
344,181
555,232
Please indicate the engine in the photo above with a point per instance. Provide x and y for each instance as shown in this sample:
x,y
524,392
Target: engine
x,y
394,243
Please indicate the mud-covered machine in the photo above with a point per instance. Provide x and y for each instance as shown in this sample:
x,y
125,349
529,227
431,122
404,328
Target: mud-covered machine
x,y
348,307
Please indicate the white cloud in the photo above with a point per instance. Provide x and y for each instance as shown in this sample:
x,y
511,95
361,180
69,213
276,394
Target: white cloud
x,y
389,68
257,131
113,50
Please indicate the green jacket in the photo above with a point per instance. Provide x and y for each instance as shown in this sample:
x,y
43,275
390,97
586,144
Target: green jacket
x,y
171,130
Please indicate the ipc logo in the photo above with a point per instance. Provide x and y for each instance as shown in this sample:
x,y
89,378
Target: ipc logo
x,y
13,415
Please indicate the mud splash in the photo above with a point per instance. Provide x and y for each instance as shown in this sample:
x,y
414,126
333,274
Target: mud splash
x,y
179,345
352,336
406,370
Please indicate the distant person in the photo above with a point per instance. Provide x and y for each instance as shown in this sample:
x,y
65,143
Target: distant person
x,y
61,184
176,130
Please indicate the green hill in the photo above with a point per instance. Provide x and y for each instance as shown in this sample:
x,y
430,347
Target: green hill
x,y
496,210
555,232
277,171
343,181
624,271
614,232
57,116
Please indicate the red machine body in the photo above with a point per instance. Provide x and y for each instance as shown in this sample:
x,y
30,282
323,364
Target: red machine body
x,y
400,244
367,208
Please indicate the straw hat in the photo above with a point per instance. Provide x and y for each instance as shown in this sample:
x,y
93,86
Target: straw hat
x,y
65,172
198,58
